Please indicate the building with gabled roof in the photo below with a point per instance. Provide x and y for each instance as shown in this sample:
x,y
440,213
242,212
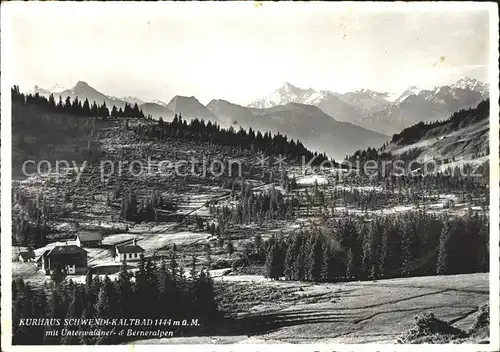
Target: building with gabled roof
x,y
69,258
89,239
128,252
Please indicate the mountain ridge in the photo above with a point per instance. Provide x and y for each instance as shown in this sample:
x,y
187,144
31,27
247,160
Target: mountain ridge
x,y
300,113
381,111
191,107
308,123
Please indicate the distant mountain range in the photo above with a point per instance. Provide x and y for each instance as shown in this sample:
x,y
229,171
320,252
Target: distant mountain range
x,y
308,123
191,107
83,91
330,122
380,111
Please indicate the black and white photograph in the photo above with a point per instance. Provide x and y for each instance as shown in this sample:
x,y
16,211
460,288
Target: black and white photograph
x,y
249,173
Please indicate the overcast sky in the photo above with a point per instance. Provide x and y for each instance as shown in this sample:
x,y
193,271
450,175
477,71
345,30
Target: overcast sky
x,y
242,51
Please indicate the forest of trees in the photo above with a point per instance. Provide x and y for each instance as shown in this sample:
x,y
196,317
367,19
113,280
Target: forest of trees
x,y
154,291
354,248
29,227
146,210
405,167
256,207
203,131
75,107
416,191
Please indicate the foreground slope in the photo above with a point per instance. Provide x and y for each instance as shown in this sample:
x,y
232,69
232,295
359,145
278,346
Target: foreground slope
x,y
354,312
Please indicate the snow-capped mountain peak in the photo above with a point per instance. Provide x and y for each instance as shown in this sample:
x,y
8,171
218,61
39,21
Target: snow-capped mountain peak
x,y
128,99
364,91
316,97
158,102
57,89
288,93
411,90
132,100
471,84
368,93
289,86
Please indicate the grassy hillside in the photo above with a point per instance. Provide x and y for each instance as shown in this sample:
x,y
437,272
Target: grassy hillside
x,y
458,121
382,311
457,144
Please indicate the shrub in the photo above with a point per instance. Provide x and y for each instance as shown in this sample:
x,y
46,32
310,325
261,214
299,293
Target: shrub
x,y
429,329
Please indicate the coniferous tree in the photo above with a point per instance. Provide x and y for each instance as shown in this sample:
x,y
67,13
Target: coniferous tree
x,y
193,271
125,293
373,272
209,257
484,256
67,105
203,295
314,259
350,265
405,254
442,264
272,262
174,266
55,310
292,252
94,111
106,308
151,287
75,310
129,206
164,288
326,265
141,285
300,264
105,111
52,102
230,248
86,108
103,305
76,107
